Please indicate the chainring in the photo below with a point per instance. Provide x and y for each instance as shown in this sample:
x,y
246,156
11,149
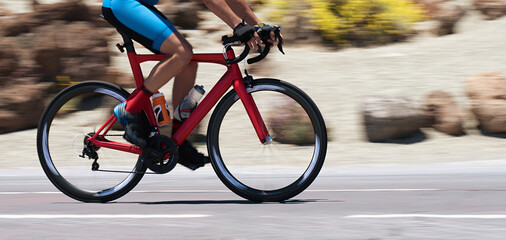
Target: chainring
x,y
154,155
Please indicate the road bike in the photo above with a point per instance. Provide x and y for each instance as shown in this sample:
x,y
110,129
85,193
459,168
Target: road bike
x,y
250,143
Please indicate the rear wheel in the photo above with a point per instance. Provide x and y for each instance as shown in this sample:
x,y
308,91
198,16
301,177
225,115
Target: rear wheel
x,y
282,169
73,116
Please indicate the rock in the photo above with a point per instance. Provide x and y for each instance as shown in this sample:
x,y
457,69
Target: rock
x,y
443,113
491,116
487,92
4,12
9,61
448,16
184,14
95,11
492,9
77,50
445,14
486,86
21,106
390,117
432,7
289,124
36,65
71,10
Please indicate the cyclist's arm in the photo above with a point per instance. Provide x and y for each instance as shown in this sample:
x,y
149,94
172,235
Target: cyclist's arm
x,y
228,10
221,9
242,10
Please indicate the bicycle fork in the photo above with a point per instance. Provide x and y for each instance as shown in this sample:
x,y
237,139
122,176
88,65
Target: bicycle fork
x,y
253,113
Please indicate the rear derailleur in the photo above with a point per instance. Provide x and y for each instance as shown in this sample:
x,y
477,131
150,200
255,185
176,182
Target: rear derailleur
x,y
90,151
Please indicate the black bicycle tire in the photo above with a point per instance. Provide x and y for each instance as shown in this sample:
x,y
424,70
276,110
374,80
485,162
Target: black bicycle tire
x,y
247,192
43,128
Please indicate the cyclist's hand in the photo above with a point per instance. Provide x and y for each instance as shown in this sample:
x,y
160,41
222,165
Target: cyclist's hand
x,y
254,42
255,36
267,34
244,32
247,34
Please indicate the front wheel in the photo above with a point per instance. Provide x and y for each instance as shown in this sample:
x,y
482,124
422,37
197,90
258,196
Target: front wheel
x,y
74,115
277,171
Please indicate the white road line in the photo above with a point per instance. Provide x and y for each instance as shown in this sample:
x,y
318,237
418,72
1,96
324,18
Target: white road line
x,y
376,190
101,216
17,193
182,191
457,216
227,191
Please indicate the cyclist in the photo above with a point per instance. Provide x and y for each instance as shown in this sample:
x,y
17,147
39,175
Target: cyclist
x,y
144,23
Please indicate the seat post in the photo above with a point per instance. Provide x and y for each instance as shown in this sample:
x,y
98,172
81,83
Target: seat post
x,y
127,42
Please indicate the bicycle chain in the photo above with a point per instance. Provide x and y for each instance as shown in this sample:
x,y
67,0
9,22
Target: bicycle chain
x,y
153,156
113,135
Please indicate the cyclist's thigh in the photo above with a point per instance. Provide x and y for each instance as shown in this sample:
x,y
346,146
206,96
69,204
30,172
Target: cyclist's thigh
x,y
143,19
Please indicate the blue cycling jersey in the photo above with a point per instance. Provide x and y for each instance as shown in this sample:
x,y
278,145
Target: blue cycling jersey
x,y
141,17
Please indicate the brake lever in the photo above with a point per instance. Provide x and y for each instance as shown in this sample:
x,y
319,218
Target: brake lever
x,y
277,31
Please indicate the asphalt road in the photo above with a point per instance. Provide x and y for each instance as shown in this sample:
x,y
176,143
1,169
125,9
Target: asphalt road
x,y
445,201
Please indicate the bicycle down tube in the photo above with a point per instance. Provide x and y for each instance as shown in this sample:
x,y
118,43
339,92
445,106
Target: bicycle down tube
x,y
232,77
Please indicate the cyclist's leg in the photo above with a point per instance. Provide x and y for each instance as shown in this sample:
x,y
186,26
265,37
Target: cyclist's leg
x,y
179,53
148,26
184,81
152,25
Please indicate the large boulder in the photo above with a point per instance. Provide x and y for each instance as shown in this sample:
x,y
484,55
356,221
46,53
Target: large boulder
x,y
52,48
391,117
443,113
447,18
4,12
95,16
290,124
492,9
21,105
184,14
70,10
77,50
444,15
9,60
487,92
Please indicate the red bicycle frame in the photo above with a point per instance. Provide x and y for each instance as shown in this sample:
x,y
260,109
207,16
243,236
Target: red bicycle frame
x,y
232,77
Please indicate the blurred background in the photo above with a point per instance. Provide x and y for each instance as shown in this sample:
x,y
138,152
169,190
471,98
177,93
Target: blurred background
x,y
413,93
422,78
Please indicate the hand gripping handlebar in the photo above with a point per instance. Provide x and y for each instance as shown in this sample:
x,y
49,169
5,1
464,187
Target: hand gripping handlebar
x,y
229,41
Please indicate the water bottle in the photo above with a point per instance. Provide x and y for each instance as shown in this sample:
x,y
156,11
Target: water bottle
x,y
161,109
189,103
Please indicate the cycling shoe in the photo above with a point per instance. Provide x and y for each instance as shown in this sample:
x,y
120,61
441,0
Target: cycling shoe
x,y
135,125
190,157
